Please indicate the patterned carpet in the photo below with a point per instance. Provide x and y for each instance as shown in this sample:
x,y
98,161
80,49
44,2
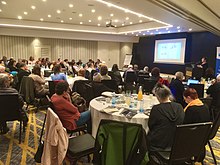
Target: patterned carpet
x,y
11,152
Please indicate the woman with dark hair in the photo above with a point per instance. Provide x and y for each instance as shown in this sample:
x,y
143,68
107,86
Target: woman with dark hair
x,y
195,111
104,73
116,74
209,74
57,75
39,82
163,120
12,65
155,75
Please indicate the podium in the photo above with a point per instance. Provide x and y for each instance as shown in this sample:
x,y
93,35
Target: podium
x,y
193,72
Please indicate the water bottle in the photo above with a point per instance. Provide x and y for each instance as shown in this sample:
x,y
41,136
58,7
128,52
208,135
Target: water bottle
x,y
113,99
141,110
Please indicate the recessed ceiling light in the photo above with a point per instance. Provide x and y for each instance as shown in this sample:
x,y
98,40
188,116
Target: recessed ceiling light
x,y
25,13
49,15
139,32
4,3
167,28
33,7
81,23
70,5
80,14
132,32
151,33
107,22
190,29
93,10
0,10
148,31
111,15
61,21
178,27
90,21
44,0
140,21
144,34
116,20
41,19
99,25
19,17
115,25
127,18
140,15
58,11
123,24
131,22
168,31
136,34
70,18
179,30
99,18
156,29
159,32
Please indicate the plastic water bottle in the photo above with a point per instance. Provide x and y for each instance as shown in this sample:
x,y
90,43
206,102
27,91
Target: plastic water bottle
x,y
113,99
141,110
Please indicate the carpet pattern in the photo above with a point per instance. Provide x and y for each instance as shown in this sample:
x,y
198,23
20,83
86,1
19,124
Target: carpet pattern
x,y
11,152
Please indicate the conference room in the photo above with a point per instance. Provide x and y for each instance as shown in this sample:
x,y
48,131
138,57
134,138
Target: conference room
x,y
122,63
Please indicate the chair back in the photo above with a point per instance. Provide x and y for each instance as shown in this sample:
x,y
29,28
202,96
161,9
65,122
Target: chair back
x,y
130,77
87,75
47,73
92,73
149,85
27,89
215,127
189,141
112,84
199,89
9,107
119,143
141,79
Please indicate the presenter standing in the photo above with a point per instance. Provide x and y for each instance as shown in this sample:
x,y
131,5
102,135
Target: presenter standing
x,y
203,65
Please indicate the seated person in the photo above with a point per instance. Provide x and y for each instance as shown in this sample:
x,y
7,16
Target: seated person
x,y
144,72
116,74
104,73
6,89
130,75
177,88
23,71
155,75
39,82
163,120
67,112
214,92
57,75
81,76
195,111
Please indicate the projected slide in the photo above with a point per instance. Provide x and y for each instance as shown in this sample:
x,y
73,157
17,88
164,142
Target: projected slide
x,y
170,51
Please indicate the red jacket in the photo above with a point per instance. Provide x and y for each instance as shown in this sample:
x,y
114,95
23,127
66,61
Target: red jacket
x,y
66,111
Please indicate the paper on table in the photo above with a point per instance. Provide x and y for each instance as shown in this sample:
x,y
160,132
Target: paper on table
x,y
110,110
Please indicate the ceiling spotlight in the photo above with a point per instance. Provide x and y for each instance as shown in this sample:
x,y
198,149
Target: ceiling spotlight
x,y
25,13
33,7
58,11
90,21
144,34
107,22
167,28
116,20
70,5
49,16
4,3
127,18
139,32
99,18
61,21
131,22
140,21
80,14
44,0
132,32
151,33
178,27
137,35
159,32
81,23
93,10
41,19
168,31
19,17
179,30
148,31
111,15
0,10
156,29
70,18
190,29
123,24
99,25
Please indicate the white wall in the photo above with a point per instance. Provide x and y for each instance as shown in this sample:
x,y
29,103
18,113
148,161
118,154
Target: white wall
x,y
125,48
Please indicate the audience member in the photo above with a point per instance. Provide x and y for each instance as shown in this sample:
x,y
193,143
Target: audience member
x,y
57,75
104,73
6,89
144,72
81,76
214,92
177,88
23,71
209,74
130,75
12,65
116,74
39,82
31,61
163,120
67,112
155,75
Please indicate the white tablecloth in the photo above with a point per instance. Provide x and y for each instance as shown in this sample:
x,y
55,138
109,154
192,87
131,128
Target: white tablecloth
x,y
97,113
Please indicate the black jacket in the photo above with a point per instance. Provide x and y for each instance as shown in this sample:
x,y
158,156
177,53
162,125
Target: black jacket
x,y
177,89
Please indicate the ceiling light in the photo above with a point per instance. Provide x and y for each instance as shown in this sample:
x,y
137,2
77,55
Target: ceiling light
x,y
144,34
167,28
81,23
178,27
99,18
99,25
70,18
132,32
139,32
190,29
33,7
93,10
159,32
49,16
44,0
4,3
80,14
25,13
115,25
179,30
41,19
107,22
123,24
58,11
148,31
151,33
137,35
116,20
111,15
70,5
19,17
61,21
0,10
168,31
90,21
140,21
156,29
127,18
140,15
131,22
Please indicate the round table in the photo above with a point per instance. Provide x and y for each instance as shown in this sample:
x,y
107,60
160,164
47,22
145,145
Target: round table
x,y
97,107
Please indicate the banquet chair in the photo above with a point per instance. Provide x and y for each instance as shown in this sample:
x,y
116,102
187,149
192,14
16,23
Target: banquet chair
x,y
119,143
212,134
130,80
149,85
111,84
199,89
11,111
208,102
189,142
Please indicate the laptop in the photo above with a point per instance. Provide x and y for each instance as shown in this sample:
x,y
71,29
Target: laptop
x,y
191,81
